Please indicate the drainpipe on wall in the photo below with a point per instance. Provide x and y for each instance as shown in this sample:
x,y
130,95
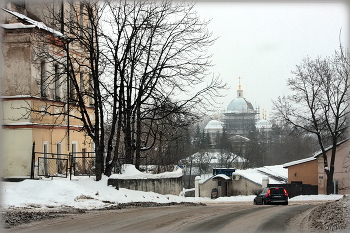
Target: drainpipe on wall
x,y
196,186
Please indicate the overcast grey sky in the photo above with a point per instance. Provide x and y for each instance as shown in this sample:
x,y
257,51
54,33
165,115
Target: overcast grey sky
x,y
263,42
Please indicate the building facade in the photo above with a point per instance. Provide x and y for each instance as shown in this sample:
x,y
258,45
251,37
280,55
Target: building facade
x,y
39,119
311,170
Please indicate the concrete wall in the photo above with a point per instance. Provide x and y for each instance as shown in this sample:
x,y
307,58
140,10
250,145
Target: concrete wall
x,y
162,186
244,186
206,188
17,152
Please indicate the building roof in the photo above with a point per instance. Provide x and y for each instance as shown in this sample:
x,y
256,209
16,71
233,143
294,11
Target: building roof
x,y
299,162
263,123
222,176
276,174
214,124
240,105
32,24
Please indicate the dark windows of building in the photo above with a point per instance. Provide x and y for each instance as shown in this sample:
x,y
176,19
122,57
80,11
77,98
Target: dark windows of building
x,y
43,80
57,91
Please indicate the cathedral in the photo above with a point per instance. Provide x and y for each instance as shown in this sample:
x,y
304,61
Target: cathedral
x,y
240,115
239,118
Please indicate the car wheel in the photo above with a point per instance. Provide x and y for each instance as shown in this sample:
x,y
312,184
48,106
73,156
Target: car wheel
x,y
286,203
254,202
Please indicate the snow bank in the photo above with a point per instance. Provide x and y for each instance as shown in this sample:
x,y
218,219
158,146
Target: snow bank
x,y
130,172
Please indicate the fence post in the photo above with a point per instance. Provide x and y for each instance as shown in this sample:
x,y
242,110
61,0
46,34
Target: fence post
x,y
70,167
33,162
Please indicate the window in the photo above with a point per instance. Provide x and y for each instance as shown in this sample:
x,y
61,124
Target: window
x,y
74,148
57,111
93,149
59,161
43,80
57,84
43,110
72,14
81,18
91,90
59,149
82,87
72,90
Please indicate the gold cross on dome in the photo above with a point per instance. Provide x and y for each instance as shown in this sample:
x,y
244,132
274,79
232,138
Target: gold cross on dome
x,y
239,83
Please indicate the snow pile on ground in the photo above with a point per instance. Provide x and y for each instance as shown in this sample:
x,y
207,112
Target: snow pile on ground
x,y
80,192
331,216
130,172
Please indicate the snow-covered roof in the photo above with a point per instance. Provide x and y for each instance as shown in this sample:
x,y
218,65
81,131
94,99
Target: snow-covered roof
x,y
214,124
256,176
240,105
263,123
222,176
16,26
277,174
239,137
33,23
214,157
299,162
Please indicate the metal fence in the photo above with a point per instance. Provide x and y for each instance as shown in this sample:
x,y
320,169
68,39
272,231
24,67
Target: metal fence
x,y
60,165
75,163
83,163
52,167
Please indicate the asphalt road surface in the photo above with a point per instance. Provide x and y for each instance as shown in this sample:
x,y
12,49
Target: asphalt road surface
x,y
223,217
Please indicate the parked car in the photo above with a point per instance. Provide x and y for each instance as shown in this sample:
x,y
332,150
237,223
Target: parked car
x,y
272,195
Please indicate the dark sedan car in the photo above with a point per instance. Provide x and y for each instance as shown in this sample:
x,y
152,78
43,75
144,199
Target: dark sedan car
x,y
272,195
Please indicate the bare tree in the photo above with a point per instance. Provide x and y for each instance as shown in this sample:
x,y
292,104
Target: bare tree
x,y
157,51
290,143
319,103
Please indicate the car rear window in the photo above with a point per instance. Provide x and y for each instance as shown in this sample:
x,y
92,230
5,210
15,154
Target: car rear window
x,y
277,191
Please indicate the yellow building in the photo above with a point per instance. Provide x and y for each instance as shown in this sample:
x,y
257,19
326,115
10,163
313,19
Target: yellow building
x,y
35,106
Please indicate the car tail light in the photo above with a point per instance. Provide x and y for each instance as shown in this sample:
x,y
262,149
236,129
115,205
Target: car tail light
x,y
268,193
285,193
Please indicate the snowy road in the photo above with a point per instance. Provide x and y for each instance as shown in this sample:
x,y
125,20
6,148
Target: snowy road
x,y
224,217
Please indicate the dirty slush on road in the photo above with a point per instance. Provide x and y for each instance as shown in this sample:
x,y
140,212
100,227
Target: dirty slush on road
x,y
328,217
17,216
